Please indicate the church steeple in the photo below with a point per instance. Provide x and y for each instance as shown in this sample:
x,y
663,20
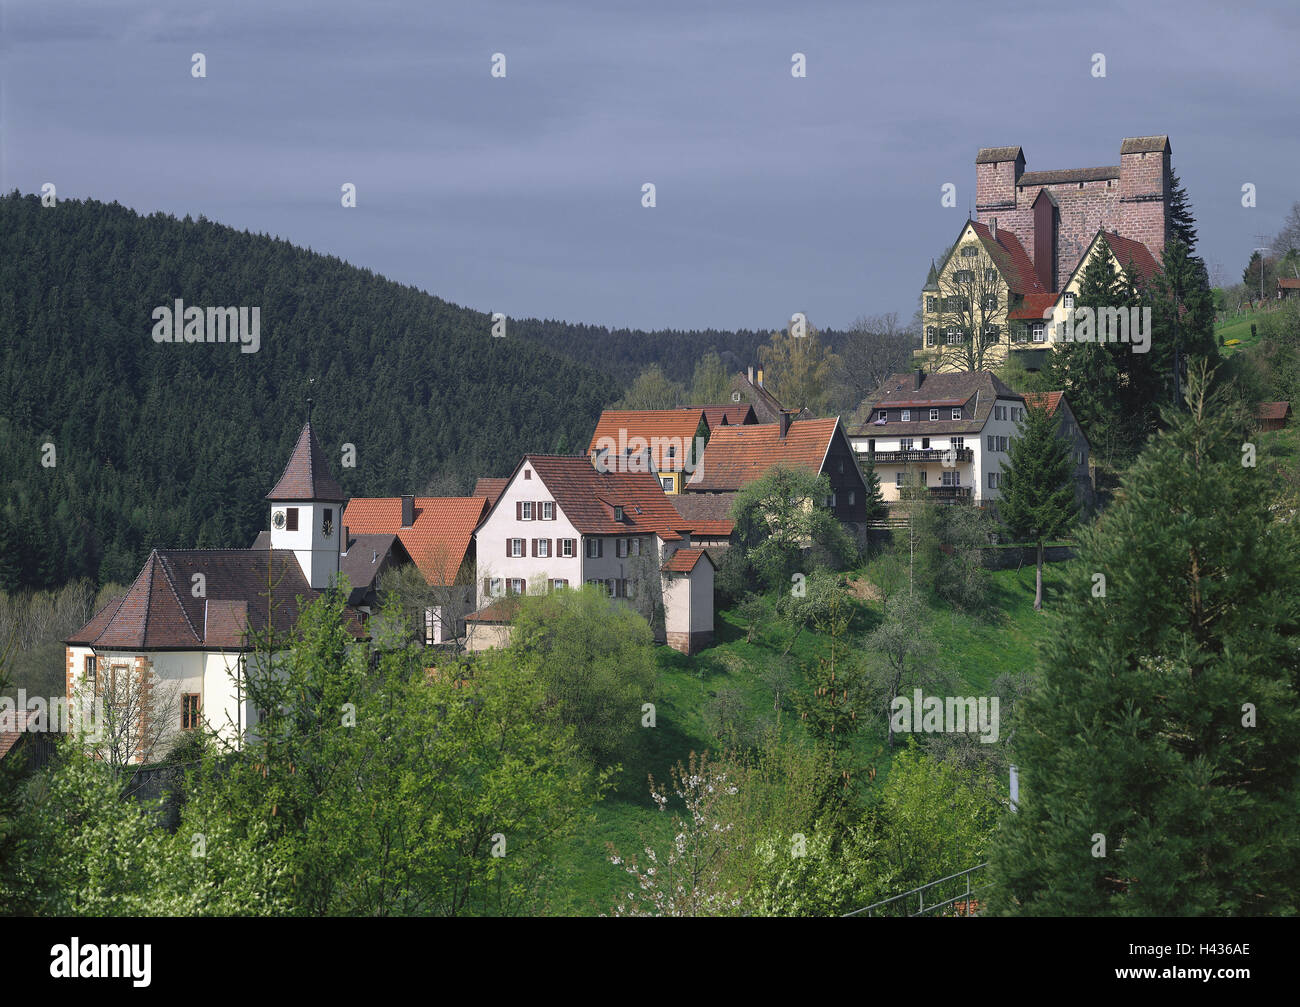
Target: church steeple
x,y
306,505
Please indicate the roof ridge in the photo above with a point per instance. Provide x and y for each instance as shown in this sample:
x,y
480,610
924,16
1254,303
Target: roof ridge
x,y
167,575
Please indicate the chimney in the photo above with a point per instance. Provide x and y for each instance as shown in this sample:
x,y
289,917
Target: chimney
x,y
993,227
760,377
917,377
751,374
408,511
785,423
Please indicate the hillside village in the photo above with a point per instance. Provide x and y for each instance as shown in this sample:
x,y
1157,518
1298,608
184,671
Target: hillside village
x,y
762,578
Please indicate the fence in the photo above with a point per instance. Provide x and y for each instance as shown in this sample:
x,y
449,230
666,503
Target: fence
x,y
956,894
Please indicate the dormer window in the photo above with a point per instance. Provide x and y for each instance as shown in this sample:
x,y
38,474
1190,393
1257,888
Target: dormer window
x,y
907,415
618,513
882,415
956,413
934,415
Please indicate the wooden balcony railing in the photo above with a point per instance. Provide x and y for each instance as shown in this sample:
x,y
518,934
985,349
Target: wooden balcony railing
x,y
924,455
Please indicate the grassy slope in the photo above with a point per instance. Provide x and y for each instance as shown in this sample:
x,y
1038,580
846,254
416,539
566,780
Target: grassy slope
x,y
978,651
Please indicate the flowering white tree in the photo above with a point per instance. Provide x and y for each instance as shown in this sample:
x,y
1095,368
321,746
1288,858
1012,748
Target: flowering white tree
x,y
690,880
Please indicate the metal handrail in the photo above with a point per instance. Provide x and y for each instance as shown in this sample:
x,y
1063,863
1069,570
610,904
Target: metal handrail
x,y
922,908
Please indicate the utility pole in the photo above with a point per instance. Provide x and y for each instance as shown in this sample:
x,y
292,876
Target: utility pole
x,y
1261,248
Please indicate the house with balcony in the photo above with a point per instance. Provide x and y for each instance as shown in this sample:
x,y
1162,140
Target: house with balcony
x,y
948,433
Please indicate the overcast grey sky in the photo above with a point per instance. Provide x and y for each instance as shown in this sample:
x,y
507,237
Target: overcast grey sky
x,y
523,194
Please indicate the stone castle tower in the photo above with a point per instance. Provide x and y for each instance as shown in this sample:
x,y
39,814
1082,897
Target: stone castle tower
x,y
1056,214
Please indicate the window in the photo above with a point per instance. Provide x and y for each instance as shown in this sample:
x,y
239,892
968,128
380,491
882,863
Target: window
x,y
1002,444
956,335
925,477
905,444
618,513
925,443
635,545
956,413
516,548
1069,300
993,480
952,478
964,276
990,276
528,473
543,548
1040,332
548,510
672,451
931,335
990,302
567,548
969,251
595,548
496,587
882,415
898,479
907,416
517,585
958,443
934,415
90,668
991,333
526,511
291,519
931,303
189,711
667,482
830,500
620,547
559,584
853,497
992,443
327,522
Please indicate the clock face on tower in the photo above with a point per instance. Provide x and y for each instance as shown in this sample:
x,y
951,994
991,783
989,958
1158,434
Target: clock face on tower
x,y
277,519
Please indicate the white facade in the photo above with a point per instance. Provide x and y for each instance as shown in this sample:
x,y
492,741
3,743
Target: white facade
x,y
311,530
925,454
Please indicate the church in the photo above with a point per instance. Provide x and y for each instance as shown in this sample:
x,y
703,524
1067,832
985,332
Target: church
x,y
180,635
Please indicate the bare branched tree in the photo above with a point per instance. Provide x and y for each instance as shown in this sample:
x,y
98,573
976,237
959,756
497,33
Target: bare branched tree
x,y
971,311
137,714
873,348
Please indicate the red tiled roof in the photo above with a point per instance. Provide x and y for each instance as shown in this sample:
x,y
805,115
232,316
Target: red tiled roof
x,y
307,476
1289,282
1010,258
501,610
1049,399
675,427
10,737
734,415
736,456
1272,410
1127,250
711,529
588,497
1034,305
437,540
490,488
160,612
684,560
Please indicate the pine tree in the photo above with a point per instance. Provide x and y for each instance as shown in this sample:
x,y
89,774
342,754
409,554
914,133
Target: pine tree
x,y
1182,225
1160,752
1037,501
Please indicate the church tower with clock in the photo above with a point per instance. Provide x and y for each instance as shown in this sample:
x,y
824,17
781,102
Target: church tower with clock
x,y
306,505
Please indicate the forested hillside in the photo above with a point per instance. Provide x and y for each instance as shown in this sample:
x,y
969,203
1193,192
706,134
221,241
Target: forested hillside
x,y
176,444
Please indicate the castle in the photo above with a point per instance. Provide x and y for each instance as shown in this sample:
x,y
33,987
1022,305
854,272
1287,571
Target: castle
x,y
1056,214
1015,269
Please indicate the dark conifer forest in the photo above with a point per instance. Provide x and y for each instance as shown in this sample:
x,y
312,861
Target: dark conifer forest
x,y
175,444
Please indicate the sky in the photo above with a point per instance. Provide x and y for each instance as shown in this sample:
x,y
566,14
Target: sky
x,y
523,194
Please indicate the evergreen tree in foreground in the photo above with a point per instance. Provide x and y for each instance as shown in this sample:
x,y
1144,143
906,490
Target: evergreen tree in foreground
x,y
1167,722
1037,502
